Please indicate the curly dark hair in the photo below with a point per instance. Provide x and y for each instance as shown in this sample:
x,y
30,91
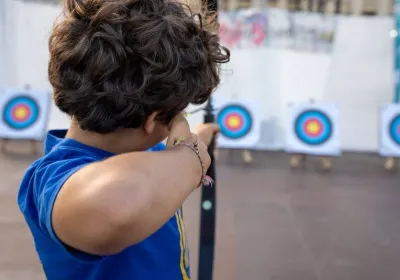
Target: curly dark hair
x,y
114,62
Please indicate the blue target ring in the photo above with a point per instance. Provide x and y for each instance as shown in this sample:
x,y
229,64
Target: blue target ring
x,y
235,121
313,127
394,129
20,112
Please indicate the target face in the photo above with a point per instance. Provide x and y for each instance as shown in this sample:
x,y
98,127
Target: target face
x,y
20,112
235,121
394,129
313,127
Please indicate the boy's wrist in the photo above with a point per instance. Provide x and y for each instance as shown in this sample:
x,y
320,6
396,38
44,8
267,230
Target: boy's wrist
x,y
191,164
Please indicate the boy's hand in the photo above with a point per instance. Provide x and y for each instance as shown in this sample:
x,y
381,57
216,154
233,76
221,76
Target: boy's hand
x,y
206,131
179,127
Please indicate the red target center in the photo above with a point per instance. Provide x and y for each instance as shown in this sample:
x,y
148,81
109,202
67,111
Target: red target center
x,y
21,113
233,121
313,127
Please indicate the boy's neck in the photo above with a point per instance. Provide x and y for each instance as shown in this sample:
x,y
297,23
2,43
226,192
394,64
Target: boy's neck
x,y
122,141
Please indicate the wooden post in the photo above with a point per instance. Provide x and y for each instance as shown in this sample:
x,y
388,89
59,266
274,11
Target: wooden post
x,y
321,6
283,4
390,163
4,142
297,159
357,7
247,156
312,5
326,163
338,6
34,147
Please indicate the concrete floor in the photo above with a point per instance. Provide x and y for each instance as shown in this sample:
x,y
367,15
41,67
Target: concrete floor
x,y
273,223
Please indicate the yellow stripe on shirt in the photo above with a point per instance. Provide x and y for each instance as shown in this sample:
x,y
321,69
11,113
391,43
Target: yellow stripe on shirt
x,y
182,242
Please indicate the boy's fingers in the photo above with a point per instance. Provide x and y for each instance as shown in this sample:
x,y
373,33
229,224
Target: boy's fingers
x,y
215,127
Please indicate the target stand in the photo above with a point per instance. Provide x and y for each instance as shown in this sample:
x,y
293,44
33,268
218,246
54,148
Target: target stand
x,y
24,115
390,135
313,130
240,124
299,160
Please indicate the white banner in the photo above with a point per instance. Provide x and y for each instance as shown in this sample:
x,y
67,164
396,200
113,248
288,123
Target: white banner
x,y
278,28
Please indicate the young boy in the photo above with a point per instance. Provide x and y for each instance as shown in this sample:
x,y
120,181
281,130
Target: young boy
x,y
100,207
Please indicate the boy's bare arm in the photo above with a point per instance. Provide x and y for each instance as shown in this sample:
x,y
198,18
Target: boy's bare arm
x,y
110,205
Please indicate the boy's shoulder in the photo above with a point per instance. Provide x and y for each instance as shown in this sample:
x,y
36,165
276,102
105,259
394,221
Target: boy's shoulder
x,y
61,156
54,164
44,178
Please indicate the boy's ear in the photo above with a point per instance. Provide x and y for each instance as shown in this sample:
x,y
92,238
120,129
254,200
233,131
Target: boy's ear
x,y
150,123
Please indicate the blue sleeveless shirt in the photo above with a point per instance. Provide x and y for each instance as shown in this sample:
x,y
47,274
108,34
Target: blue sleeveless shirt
x,y
163,255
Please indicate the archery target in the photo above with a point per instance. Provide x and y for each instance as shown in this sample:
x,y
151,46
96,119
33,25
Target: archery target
x,y
24,114
313,129
239,122
394,130
235,121
390,130
20,112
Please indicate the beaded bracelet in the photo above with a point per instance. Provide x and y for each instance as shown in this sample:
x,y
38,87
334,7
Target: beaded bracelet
x,y
205,179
